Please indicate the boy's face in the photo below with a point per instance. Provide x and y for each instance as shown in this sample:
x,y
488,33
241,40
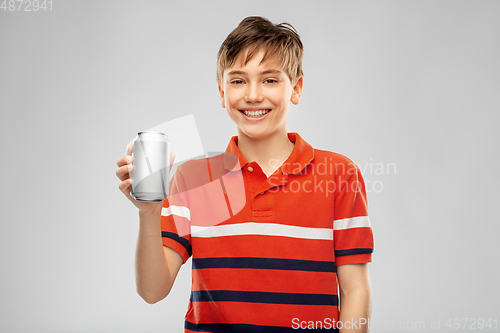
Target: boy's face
x,y
258,87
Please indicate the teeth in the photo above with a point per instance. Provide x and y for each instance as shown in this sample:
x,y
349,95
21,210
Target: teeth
x,y
257,113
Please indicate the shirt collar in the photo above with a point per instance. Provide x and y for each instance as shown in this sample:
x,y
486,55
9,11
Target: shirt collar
x,y
302,155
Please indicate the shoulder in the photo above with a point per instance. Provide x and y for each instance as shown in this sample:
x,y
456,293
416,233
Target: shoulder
x,y
332,158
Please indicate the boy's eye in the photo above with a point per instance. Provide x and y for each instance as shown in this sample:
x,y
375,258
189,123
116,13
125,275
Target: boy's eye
x,y
241,82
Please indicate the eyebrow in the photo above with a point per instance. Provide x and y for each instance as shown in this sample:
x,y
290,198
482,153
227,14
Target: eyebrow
x,y
269,71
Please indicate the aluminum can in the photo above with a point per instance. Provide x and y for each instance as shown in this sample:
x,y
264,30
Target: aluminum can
x,y
151,161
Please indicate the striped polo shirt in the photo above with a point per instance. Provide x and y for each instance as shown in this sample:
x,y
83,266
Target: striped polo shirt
x,y
265,249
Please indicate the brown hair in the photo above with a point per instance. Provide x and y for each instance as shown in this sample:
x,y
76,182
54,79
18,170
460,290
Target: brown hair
x,y
276,39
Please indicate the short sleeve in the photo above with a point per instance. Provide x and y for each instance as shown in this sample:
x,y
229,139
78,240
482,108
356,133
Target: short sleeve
x,y
176,217
353,236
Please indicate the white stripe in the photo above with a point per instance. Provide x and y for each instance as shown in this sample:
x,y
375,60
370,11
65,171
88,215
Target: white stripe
x,y
176,210
353,222
266,229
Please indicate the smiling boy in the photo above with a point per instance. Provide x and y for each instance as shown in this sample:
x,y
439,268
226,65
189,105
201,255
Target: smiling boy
x,y
303,235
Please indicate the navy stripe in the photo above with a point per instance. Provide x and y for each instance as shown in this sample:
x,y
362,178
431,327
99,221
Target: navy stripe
x,y
341,253
262,297
265,263
248,328
183,241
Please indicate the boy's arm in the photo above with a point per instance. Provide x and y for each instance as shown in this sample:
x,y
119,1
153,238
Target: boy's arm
x,y
156,266
355,297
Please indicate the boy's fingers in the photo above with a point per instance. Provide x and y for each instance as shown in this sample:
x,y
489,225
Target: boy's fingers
x,y
123,171
124,186
120,173
127,159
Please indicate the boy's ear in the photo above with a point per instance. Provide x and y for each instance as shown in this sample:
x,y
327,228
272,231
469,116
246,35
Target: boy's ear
x,y
221,93
297,91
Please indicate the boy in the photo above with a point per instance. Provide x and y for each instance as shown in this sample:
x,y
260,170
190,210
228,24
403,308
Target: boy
x,y
277,262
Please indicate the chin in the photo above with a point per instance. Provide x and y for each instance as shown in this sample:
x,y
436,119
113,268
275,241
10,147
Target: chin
x,y
254,135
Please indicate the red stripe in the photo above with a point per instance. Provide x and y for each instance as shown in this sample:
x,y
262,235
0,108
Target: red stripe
x,y
258,313
354,259
264,246
353,238
264,280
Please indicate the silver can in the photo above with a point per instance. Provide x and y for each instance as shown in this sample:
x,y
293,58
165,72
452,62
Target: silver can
x,y
151,161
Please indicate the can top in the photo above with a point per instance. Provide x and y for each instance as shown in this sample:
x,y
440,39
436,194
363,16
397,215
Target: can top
x,y
146,132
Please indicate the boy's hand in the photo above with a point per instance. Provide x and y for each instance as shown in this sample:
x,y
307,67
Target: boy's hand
x,y
125,165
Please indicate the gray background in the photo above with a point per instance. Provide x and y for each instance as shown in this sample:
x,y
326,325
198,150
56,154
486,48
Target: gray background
x,y
411,87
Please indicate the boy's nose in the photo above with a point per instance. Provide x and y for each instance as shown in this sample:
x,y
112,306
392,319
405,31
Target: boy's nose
x,y
253,94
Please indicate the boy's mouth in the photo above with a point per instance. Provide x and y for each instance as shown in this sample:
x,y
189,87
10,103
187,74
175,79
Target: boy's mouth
x,y
255,114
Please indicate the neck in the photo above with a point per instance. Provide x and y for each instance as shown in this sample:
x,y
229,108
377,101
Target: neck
x,y
270,153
